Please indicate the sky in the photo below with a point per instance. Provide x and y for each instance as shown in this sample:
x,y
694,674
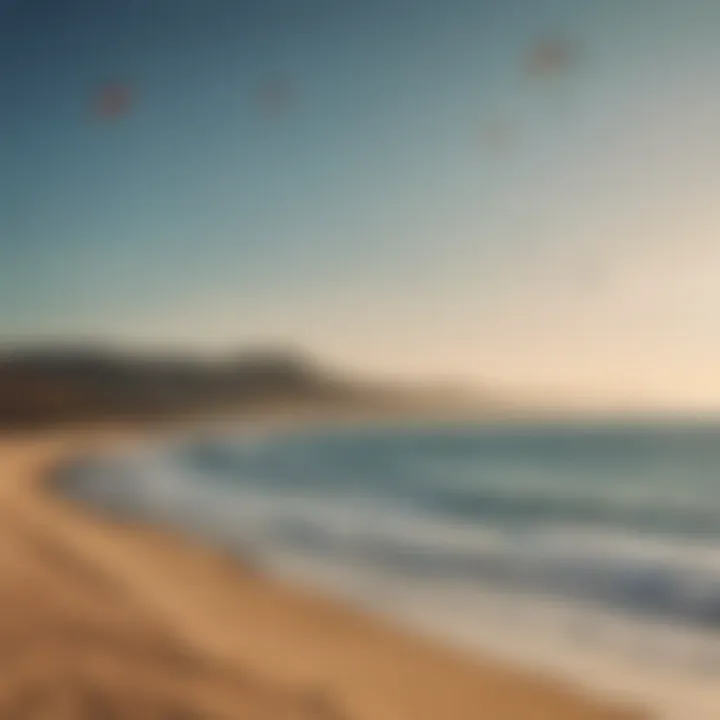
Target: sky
x,y
520,193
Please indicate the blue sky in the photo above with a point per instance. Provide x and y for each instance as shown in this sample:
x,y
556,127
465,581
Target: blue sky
x,y
423,206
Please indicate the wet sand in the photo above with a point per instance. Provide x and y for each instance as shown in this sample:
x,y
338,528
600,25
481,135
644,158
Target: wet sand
x,y
101,619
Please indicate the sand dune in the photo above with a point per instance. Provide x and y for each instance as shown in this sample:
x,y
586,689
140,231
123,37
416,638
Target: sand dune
x,y
106,620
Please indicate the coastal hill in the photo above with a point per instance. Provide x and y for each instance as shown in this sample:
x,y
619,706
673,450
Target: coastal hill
x,y
41,385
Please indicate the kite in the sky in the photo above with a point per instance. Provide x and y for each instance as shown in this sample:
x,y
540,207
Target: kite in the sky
x,y
112,101
275,97
550,57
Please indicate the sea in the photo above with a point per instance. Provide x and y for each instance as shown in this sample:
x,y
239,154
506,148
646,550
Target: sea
x,y
583,550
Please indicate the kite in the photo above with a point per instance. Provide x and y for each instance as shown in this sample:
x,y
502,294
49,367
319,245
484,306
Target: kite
x,y
112,101
550,57
275,97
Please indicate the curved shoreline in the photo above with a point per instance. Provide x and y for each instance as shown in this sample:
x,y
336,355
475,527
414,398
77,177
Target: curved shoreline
x,y
288,653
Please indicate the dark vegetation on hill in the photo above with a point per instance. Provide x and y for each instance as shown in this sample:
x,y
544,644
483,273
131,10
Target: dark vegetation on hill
x,y
40,386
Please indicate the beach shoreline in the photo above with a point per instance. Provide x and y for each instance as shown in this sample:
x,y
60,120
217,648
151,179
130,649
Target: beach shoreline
x,y
260,648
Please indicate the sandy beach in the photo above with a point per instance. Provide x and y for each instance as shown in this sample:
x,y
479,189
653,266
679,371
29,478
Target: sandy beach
x,y
114,620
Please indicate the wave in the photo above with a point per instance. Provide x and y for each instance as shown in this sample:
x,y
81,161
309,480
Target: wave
x,y
642,495
639,573
555,568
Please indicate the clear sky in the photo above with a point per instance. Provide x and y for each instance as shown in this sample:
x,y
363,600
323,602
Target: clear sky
x,y
519,191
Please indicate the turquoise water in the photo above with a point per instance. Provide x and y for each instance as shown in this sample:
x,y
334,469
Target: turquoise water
x,y
575,533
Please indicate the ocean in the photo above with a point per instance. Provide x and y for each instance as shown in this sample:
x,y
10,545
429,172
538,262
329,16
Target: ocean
x,y
588,551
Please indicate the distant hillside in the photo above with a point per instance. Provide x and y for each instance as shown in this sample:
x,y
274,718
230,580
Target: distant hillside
x,y
41,385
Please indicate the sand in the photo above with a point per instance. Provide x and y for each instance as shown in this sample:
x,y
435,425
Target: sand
x,y
106,620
